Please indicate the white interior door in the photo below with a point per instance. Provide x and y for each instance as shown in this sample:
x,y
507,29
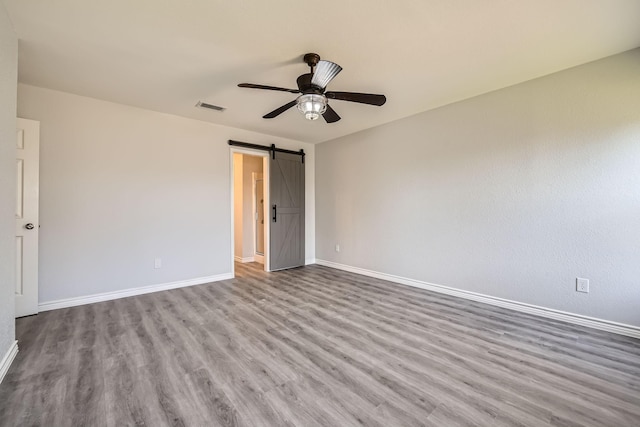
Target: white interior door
x,y
27,193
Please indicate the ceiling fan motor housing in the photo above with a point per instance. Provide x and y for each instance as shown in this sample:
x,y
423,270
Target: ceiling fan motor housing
x,y
305,86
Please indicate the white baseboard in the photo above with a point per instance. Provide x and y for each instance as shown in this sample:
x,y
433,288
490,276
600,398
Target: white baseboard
x,y
7,360
260,259
576,319
107,296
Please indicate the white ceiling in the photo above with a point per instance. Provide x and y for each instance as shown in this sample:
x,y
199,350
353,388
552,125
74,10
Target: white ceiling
x,y
165,55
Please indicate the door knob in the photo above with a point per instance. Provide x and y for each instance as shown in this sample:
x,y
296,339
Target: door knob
x,y
29,226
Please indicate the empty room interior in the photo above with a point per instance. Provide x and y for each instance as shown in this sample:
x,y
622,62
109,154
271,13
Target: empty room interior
x,y
363,213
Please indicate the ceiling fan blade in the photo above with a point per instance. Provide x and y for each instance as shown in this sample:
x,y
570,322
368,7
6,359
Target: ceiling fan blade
x,y
281,89
330,116
363,98
279,110
325,72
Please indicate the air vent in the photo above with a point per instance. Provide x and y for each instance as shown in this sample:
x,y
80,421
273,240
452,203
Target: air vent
x,y
210,106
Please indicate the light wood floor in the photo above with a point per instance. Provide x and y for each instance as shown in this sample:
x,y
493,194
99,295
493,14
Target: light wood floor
x,y
314,347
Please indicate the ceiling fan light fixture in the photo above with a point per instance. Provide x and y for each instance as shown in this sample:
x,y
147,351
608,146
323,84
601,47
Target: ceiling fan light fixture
x,y
312,106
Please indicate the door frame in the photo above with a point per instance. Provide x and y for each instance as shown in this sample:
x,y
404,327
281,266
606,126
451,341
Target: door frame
x,y
254,184
265,176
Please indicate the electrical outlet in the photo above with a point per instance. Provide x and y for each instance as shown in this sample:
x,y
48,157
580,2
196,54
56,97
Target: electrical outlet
x,y
337,248
158,263
582,285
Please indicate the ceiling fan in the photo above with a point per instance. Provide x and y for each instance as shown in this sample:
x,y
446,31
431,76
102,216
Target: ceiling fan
x,y
314,99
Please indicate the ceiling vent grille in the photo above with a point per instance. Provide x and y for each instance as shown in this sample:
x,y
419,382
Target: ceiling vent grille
x,y
201,104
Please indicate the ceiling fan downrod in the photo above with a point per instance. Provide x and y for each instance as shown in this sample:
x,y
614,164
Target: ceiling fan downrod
x,y
311,59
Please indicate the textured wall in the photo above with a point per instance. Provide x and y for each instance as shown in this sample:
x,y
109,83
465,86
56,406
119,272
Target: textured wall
x,y
8,84
120,186
513,194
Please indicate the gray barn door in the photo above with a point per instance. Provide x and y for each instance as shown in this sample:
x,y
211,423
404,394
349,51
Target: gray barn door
x,y
286,194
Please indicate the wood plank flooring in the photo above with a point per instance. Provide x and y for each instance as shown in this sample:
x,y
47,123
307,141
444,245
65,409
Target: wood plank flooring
x,y
314,347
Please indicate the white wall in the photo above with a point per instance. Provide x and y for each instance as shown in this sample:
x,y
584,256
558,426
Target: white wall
x,y
513,194
121,186
8,84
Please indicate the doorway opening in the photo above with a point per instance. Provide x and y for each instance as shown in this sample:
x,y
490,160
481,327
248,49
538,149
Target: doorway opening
x,y
250,204
281,213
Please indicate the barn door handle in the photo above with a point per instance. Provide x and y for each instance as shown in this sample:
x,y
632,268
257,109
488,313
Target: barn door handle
x,y
29,226
275,213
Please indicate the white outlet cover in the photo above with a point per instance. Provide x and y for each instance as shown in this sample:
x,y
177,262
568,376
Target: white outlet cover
x,y
582,285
